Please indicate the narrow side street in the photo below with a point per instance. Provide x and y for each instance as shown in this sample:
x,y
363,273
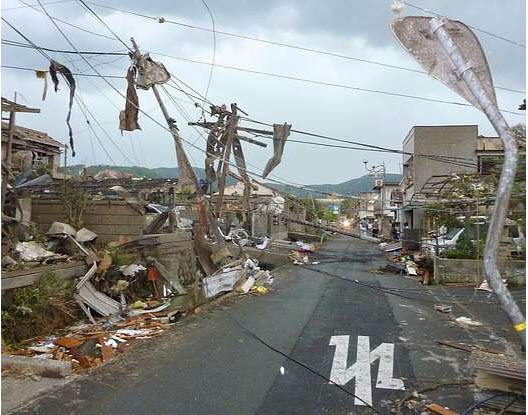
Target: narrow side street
x,y
210,364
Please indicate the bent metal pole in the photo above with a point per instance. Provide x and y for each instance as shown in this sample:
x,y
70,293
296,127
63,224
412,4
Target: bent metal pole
x,y
509,168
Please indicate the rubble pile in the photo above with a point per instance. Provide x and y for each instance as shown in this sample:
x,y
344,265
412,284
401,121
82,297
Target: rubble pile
x,y
299,255
414,265
241,276
88,346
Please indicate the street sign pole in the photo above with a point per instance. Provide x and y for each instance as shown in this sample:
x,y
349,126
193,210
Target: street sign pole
x,y
500,209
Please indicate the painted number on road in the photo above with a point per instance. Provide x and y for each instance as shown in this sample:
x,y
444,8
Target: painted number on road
x,y
360,370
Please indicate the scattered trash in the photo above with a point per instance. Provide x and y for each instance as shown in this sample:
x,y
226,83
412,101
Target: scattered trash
x,y
295,257
131,270
484,287
250,282
68,342
282,371
251,264
138,304
261,289
305,247
61,229
441,410
263,244
468,347
85,235
392,247
315,263
221,282
32,251
411,270
443,308
467,321
395,268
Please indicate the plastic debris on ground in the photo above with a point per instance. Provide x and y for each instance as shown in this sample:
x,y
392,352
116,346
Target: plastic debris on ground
x,y
411,268
443,308
303,247
467,321
485,286
263,244
131,270
32,251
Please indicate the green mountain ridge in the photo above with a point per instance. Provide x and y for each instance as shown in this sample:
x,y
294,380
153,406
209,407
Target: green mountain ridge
x,y
350,187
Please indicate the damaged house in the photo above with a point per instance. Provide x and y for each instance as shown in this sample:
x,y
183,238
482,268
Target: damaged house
x,y
32,148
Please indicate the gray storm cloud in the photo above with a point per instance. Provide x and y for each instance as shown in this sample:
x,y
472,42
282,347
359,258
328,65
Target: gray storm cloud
x,y
358,29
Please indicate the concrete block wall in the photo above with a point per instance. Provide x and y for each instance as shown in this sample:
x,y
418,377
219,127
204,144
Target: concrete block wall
x,y
448,270
109,219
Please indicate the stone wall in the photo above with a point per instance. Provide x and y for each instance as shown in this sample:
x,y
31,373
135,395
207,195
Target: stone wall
x,y
448,270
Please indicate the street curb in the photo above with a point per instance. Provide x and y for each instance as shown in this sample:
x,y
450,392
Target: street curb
x,y
47,368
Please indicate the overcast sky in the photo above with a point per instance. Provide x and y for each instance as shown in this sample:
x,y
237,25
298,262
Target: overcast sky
x,y
353,28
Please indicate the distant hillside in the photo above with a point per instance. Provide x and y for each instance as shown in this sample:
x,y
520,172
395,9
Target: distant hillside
x,y
136,171
158,172
350,187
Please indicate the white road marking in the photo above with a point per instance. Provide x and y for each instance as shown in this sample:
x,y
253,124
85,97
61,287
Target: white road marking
x,y
360,370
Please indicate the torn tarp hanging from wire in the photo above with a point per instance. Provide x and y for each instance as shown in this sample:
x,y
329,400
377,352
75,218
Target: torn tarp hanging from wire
x,y
280,133
42,74
150,72
66,73
128,119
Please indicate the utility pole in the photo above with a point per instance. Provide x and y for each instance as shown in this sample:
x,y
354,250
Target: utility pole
x,y
185,167
460,63
12,108
500,208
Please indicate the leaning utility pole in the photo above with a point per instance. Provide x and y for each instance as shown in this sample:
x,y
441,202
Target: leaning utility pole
x,y
187,173
451,52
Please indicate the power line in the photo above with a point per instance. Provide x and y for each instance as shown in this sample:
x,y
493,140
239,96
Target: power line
x,y
103,23
331,84
93,131
86,108
156,121
36,4
513,42
303,365
460,161
67,23
25,68
164,127
23,45
326,137
276,43
43,53
214,47
433,158
317,82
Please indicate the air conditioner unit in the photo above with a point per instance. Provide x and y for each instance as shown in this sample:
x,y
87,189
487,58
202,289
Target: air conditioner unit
x,y
378,183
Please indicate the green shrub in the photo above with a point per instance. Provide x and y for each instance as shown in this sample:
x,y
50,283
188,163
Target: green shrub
x,y
39,309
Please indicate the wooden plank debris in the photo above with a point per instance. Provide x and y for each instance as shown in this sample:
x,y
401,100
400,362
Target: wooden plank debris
x,y
438,409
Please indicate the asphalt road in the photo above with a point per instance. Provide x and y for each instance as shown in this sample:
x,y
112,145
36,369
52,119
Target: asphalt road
x,y
383,331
